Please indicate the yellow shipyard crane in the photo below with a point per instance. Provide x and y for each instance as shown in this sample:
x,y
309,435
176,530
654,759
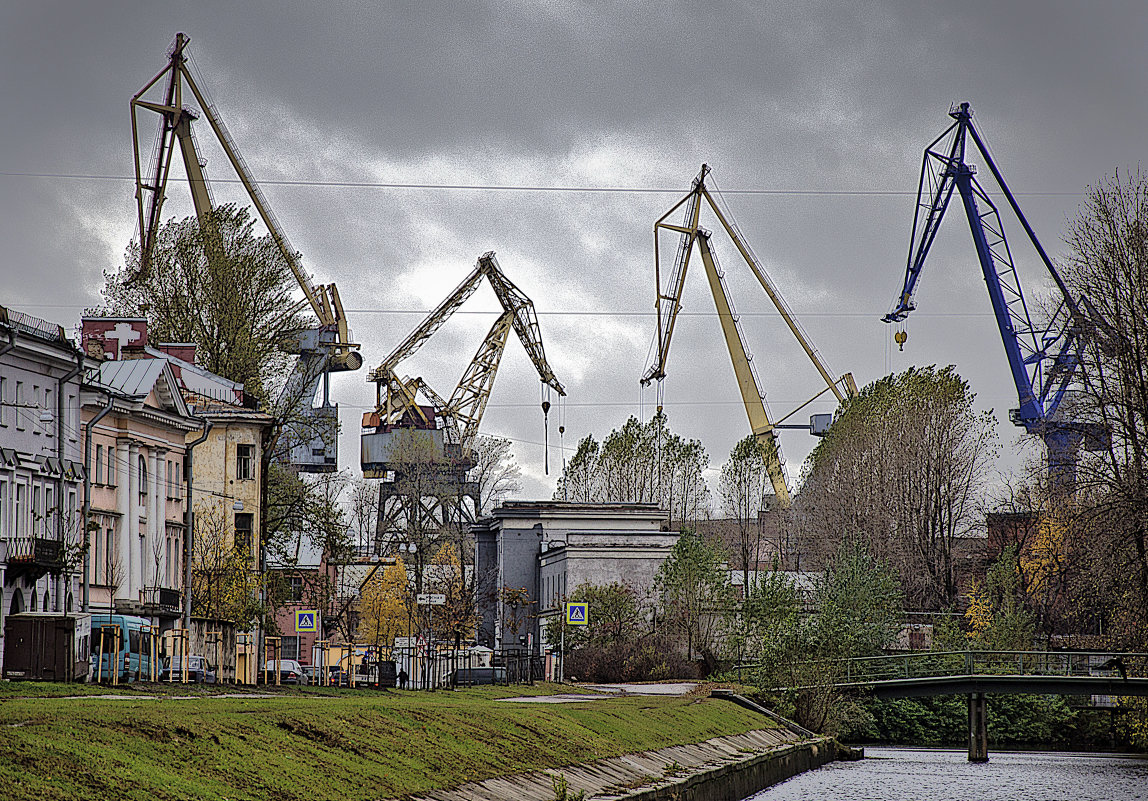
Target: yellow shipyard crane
x,y
322,350
452,424
669,302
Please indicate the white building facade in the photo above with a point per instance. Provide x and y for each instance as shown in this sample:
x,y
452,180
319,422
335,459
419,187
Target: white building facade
x,y
41,467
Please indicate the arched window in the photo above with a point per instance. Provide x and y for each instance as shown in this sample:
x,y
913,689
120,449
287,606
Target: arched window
x,y
17,603
32,608
45,600
143,478
68,604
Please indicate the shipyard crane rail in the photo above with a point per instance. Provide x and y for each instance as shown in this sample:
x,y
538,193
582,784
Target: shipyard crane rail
x,y
322,350
1044,358
669,302
457,420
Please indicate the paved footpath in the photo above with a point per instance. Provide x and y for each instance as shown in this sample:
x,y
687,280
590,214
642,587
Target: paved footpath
x,y
600,691
614,778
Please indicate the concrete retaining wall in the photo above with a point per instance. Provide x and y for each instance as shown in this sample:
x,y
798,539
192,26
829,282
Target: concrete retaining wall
x,y
742,779
722,769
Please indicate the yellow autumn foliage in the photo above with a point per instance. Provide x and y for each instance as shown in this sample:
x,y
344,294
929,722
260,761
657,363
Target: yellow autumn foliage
x,y
384,606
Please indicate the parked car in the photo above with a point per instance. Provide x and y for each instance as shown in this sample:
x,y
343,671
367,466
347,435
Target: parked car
x,y
198,670
120,646
290,672
311,674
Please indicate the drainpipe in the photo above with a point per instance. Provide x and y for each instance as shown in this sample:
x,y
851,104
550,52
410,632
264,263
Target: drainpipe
x,y
60,384
189,524
11,331
91,424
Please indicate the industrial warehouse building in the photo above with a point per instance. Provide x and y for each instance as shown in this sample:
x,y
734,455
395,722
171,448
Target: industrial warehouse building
x,y
530,555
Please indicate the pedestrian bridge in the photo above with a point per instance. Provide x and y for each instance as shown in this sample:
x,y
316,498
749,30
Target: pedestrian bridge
x,y
964,672
980,673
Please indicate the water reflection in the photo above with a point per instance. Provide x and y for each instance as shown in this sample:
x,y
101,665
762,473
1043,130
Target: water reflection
x,y
903,774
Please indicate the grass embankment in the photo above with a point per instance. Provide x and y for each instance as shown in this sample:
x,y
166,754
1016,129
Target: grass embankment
x,y
338,744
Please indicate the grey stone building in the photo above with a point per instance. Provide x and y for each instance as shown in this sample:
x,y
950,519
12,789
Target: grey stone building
x,y
530,555
41,467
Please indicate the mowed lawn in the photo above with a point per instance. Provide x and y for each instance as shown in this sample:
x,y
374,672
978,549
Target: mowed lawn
x,y
309,745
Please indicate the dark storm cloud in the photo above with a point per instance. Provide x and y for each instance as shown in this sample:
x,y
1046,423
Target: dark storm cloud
x,y
797,95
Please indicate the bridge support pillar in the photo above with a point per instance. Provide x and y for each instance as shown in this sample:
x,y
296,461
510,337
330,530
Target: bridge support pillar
x,y
978,729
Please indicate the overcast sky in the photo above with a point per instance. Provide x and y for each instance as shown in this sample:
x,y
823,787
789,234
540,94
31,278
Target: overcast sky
x,y
821,109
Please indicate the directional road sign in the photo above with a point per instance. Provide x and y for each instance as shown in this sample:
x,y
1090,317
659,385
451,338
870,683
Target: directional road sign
x,y
430,599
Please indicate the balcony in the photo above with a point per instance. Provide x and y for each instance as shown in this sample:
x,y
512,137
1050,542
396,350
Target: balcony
x,y
161,602
32,557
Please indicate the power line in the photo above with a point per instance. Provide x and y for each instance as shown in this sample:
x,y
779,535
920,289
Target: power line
x,y
874,315
649,190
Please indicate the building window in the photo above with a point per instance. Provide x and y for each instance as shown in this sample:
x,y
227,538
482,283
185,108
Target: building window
x,y
245,462
111,466
296,583
48,427
3,401
243,529
3,512
109,558
99,464
143,479
178,482
19,403
21,510
290,647
97,546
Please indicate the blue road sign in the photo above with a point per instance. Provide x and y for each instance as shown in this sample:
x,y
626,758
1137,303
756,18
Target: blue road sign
x,y
306,620
577,614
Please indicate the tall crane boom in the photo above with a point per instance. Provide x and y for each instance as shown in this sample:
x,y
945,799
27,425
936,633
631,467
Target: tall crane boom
x,y
1043,358
669,301
321,351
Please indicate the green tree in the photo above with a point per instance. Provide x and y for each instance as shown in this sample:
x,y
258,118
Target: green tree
x,y
616,615
225,584
904,468
996,615
495,473
231,293
856,612
1108,267
694,593
237,306
742,488
640,463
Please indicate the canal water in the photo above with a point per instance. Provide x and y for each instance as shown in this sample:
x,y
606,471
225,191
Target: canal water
x,y
904,774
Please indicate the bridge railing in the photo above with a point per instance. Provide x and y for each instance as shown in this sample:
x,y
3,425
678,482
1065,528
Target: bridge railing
x,y
925,664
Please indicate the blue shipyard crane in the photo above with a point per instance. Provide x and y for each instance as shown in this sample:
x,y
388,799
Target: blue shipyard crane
x,y
1043,356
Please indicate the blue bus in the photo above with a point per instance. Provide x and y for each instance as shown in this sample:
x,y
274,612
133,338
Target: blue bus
x,y
123,648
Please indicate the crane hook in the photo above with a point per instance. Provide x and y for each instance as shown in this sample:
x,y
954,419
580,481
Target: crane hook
x,y
546,437
900,338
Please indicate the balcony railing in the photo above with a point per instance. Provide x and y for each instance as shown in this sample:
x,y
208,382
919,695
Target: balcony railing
x,y
34,556
161,599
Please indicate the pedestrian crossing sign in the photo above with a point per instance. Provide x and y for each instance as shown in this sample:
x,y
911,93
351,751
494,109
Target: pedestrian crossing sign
x,y
306,620
577,614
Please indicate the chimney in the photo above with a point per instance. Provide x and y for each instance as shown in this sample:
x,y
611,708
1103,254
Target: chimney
x,y
113,337
184,351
